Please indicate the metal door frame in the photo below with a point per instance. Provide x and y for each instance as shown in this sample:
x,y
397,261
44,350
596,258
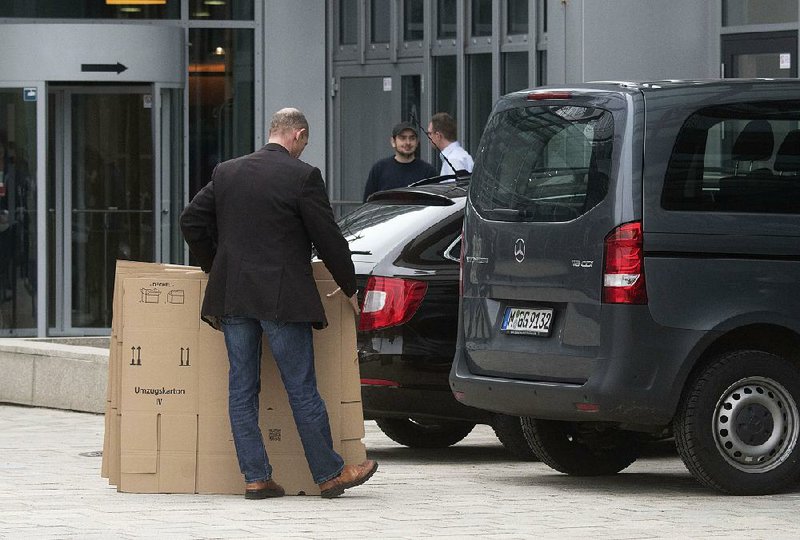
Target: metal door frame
x,y
63,196
41,197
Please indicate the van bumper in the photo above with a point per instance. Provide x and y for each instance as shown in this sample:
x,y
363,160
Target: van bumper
x,y
619,390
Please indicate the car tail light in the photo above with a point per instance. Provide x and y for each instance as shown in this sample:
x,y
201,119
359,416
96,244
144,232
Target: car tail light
x,y
623,271
380,382
390,301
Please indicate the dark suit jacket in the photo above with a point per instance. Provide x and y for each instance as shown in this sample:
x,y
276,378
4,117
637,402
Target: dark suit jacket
x,y
267,208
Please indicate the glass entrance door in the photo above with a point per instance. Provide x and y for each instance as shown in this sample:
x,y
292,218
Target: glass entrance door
x,y
18,210
103,204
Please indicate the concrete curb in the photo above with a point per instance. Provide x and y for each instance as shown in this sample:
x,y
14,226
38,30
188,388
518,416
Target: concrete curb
x,y
51,373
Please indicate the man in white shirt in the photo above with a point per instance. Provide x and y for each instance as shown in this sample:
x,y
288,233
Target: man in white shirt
x,y
443,133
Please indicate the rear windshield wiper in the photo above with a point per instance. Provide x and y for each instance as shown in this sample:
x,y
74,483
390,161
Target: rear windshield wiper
x,y
510,214
360,252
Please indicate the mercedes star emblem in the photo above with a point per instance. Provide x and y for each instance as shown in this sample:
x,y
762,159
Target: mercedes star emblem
x,y
519,250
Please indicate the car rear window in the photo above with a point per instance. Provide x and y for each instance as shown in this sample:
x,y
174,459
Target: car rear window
x,y
741,157
545,163
377,227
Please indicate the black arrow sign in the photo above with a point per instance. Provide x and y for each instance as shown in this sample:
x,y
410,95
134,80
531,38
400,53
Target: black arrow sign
x,y
119,68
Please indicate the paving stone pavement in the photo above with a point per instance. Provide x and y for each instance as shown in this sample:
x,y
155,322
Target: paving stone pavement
x,y
474,489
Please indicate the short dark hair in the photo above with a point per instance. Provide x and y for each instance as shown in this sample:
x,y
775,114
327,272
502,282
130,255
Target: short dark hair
x,y
446,125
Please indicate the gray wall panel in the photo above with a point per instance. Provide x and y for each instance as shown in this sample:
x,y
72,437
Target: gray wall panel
x,y
294,67
630,40
63,52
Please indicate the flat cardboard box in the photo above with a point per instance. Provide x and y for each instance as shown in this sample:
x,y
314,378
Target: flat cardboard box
x,y
111,452
167,428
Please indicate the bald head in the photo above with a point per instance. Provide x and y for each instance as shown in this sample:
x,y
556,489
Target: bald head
x,y
289,128
287,119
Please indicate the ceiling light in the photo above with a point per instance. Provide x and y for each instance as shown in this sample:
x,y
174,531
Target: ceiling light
x,y
214,2
219,51
201,14
130,9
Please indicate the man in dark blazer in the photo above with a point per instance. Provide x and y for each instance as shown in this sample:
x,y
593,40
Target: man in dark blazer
x,y
266,209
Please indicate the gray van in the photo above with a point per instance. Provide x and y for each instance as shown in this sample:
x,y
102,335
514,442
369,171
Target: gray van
x,y
631,267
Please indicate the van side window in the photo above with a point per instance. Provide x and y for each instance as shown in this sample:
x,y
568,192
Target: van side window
x,y
737,158
543,163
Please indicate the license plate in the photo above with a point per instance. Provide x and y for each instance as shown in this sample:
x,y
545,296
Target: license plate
x,y
534,322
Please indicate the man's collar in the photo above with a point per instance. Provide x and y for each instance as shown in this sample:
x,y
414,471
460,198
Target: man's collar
x,y
272,146
452,145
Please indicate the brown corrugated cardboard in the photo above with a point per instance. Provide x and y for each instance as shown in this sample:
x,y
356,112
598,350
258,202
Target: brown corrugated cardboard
x,y
164,302
217,466
159,453
353,451
167,428
159,373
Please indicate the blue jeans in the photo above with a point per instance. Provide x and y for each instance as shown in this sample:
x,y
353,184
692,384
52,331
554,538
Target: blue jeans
x,y
293,349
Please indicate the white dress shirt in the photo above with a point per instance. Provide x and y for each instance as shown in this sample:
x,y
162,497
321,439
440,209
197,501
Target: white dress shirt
x,y
459,157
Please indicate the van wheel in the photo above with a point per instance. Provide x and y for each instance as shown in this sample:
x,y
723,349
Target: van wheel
x,y
418,433
581,448
737,428
509,431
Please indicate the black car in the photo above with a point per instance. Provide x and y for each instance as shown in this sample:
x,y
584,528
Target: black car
x,y
406,245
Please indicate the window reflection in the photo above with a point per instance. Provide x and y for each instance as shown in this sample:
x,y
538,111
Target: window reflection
x,y
221,123
444,92
413,20
481,18
380,19
89,9
348,22
517,17
444,95
241,10
479,103
17,213
743,12
515,71
446,19
389,223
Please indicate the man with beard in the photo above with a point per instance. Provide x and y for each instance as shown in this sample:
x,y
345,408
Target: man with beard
x,y
401,169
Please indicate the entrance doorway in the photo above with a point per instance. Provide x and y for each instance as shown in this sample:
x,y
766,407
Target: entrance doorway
x,y
369,102
105,200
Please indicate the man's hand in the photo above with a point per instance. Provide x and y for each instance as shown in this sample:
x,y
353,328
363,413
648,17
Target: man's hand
x,y
354,304
353,300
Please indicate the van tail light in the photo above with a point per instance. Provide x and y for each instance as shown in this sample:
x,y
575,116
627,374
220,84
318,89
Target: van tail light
x,y
390,301
623,270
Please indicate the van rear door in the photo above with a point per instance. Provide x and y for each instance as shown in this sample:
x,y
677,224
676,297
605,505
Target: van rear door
x,y
556,173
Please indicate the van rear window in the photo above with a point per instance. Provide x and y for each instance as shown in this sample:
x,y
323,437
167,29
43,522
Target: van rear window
x,y
544,164
741,157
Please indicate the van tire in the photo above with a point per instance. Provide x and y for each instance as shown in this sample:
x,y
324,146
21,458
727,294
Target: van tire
x,y
509,431
418,433
581,448
757,394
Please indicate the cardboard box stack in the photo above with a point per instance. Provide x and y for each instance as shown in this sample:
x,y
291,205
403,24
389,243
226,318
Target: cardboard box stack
x,y
166,422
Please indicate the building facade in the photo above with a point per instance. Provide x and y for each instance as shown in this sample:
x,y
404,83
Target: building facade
x,y
113,113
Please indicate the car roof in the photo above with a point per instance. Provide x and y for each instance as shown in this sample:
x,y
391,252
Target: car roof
x,y
445,193
662,84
